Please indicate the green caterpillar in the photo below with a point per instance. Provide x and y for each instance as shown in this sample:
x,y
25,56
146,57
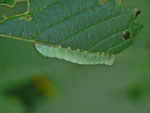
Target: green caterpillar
x,y
76,56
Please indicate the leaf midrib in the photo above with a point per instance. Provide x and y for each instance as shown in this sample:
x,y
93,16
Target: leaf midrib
x,y
64,19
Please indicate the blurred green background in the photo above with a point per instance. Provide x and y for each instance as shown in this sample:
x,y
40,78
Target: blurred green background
x,y
30,83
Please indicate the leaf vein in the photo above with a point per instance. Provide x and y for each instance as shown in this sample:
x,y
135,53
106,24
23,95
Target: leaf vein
x,y
90,27
64,19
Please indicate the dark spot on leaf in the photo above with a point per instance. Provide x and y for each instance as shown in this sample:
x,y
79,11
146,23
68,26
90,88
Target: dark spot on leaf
x,y
138,12
28,17
126,35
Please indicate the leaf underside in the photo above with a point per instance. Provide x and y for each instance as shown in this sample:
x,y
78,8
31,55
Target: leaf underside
x,y
80,31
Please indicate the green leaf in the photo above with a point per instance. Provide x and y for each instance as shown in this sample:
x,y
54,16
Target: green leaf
x,y
8,2
80,31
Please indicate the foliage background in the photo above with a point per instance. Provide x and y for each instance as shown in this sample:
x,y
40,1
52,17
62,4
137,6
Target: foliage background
x,y
30,83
